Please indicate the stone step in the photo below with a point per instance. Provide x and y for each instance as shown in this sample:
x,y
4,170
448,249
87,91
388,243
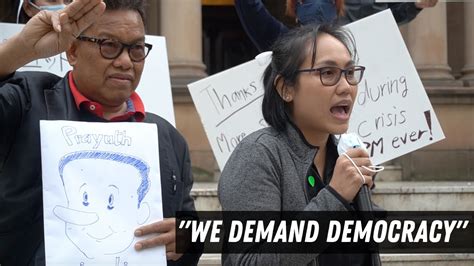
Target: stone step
x,y
393,196
424,196
205,196
388,259
390,173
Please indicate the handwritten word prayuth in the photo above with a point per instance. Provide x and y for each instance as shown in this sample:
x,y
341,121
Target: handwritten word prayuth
x,y
119,138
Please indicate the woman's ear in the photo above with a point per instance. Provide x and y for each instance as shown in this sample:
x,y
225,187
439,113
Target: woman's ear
x,y
285,91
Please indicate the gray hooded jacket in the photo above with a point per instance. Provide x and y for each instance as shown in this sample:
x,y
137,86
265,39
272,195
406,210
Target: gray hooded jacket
x,y
267,172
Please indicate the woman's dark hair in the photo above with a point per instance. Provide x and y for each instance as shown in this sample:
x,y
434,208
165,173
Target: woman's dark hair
x,y
136,5
289,53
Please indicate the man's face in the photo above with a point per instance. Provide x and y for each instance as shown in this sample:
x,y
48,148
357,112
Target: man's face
x,y
102,208
109,82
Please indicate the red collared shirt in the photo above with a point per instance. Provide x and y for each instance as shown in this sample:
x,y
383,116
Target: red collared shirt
x,y
135,105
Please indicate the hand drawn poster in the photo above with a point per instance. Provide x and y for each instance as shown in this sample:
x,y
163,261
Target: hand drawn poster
x,y
101,181
392,113
155,85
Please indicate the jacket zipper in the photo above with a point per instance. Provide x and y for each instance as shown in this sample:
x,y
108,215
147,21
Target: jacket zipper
x,y
173,176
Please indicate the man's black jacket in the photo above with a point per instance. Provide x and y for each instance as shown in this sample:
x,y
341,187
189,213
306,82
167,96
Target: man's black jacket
x,y
25,99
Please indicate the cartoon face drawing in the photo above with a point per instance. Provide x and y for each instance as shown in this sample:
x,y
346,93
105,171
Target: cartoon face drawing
x,y
98,217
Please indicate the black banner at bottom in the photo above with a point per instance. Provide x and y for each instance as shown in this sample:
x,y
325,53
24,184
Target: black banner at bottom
x,y
325,232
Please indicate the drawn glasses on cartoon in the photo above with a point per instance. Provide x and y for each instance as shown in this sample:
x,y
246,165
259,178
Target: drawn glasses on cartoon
x,y
101,202
331,75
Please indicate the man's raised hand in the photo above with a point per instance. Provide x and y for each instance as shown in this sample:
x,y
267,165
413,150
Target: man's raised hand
x,y
50,33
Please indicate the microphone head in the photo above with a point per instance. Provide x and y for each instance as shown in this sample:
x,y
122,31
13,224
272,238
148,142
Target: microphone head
x,y
349,141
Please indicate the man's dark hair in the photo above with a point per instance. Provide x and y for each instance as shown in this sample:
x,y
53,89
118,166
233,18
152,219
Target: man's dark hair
x,y
137,5
289,53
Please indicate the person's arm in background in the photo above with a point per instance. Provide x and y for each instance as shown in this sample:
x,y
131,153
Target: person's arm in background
x,y
261,27
403,12
406,12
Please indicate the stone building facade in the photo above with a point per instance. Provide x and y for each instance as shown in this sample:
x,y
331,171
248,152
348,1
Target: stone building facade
x,y
440,41
205,36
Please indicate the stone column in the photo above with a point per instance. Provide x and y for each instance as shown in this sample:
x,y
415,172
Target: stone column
x,y
427,43
153,18
181,24
468,69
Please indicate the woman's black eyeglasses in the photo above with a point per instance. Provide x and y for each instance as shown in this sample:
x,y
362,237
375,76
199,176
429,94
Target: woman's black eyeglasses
x,y
331,75
111,49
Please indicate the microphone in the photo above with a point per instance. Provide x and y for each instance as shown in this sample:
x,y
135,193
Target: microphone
x,y
363,199
351,141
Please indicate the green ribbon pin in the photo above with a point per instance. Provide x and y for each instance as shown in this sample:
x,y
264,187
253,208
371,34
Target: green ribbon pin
x,y
311,180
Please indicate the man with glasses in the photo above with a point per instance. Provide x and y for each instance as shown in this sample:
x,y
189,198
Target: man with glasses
x,y
105,45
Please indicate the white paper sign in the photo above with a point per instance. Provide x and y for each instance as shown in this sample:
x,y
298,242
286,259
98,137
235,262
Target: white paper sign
x,y
155,85
229,104
101,181
392,114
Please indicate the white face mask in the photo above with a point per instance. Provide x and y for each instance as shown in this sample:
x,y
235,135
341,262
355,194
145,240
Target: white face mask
x,y
48,7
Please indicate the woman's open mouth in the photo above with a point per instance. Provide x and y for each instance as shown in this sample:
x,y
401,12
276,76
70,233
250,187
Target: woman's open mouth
x,y
341,110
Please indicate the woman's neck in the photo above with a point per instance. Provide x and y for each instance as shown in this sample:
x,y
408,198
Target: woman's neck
x,y
320,158
320,140
316,139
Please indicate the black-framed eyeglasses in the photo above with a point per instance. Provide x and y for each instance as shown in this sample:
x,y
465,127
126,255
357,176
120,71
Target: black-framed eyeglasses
x,y
330,76
111,49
